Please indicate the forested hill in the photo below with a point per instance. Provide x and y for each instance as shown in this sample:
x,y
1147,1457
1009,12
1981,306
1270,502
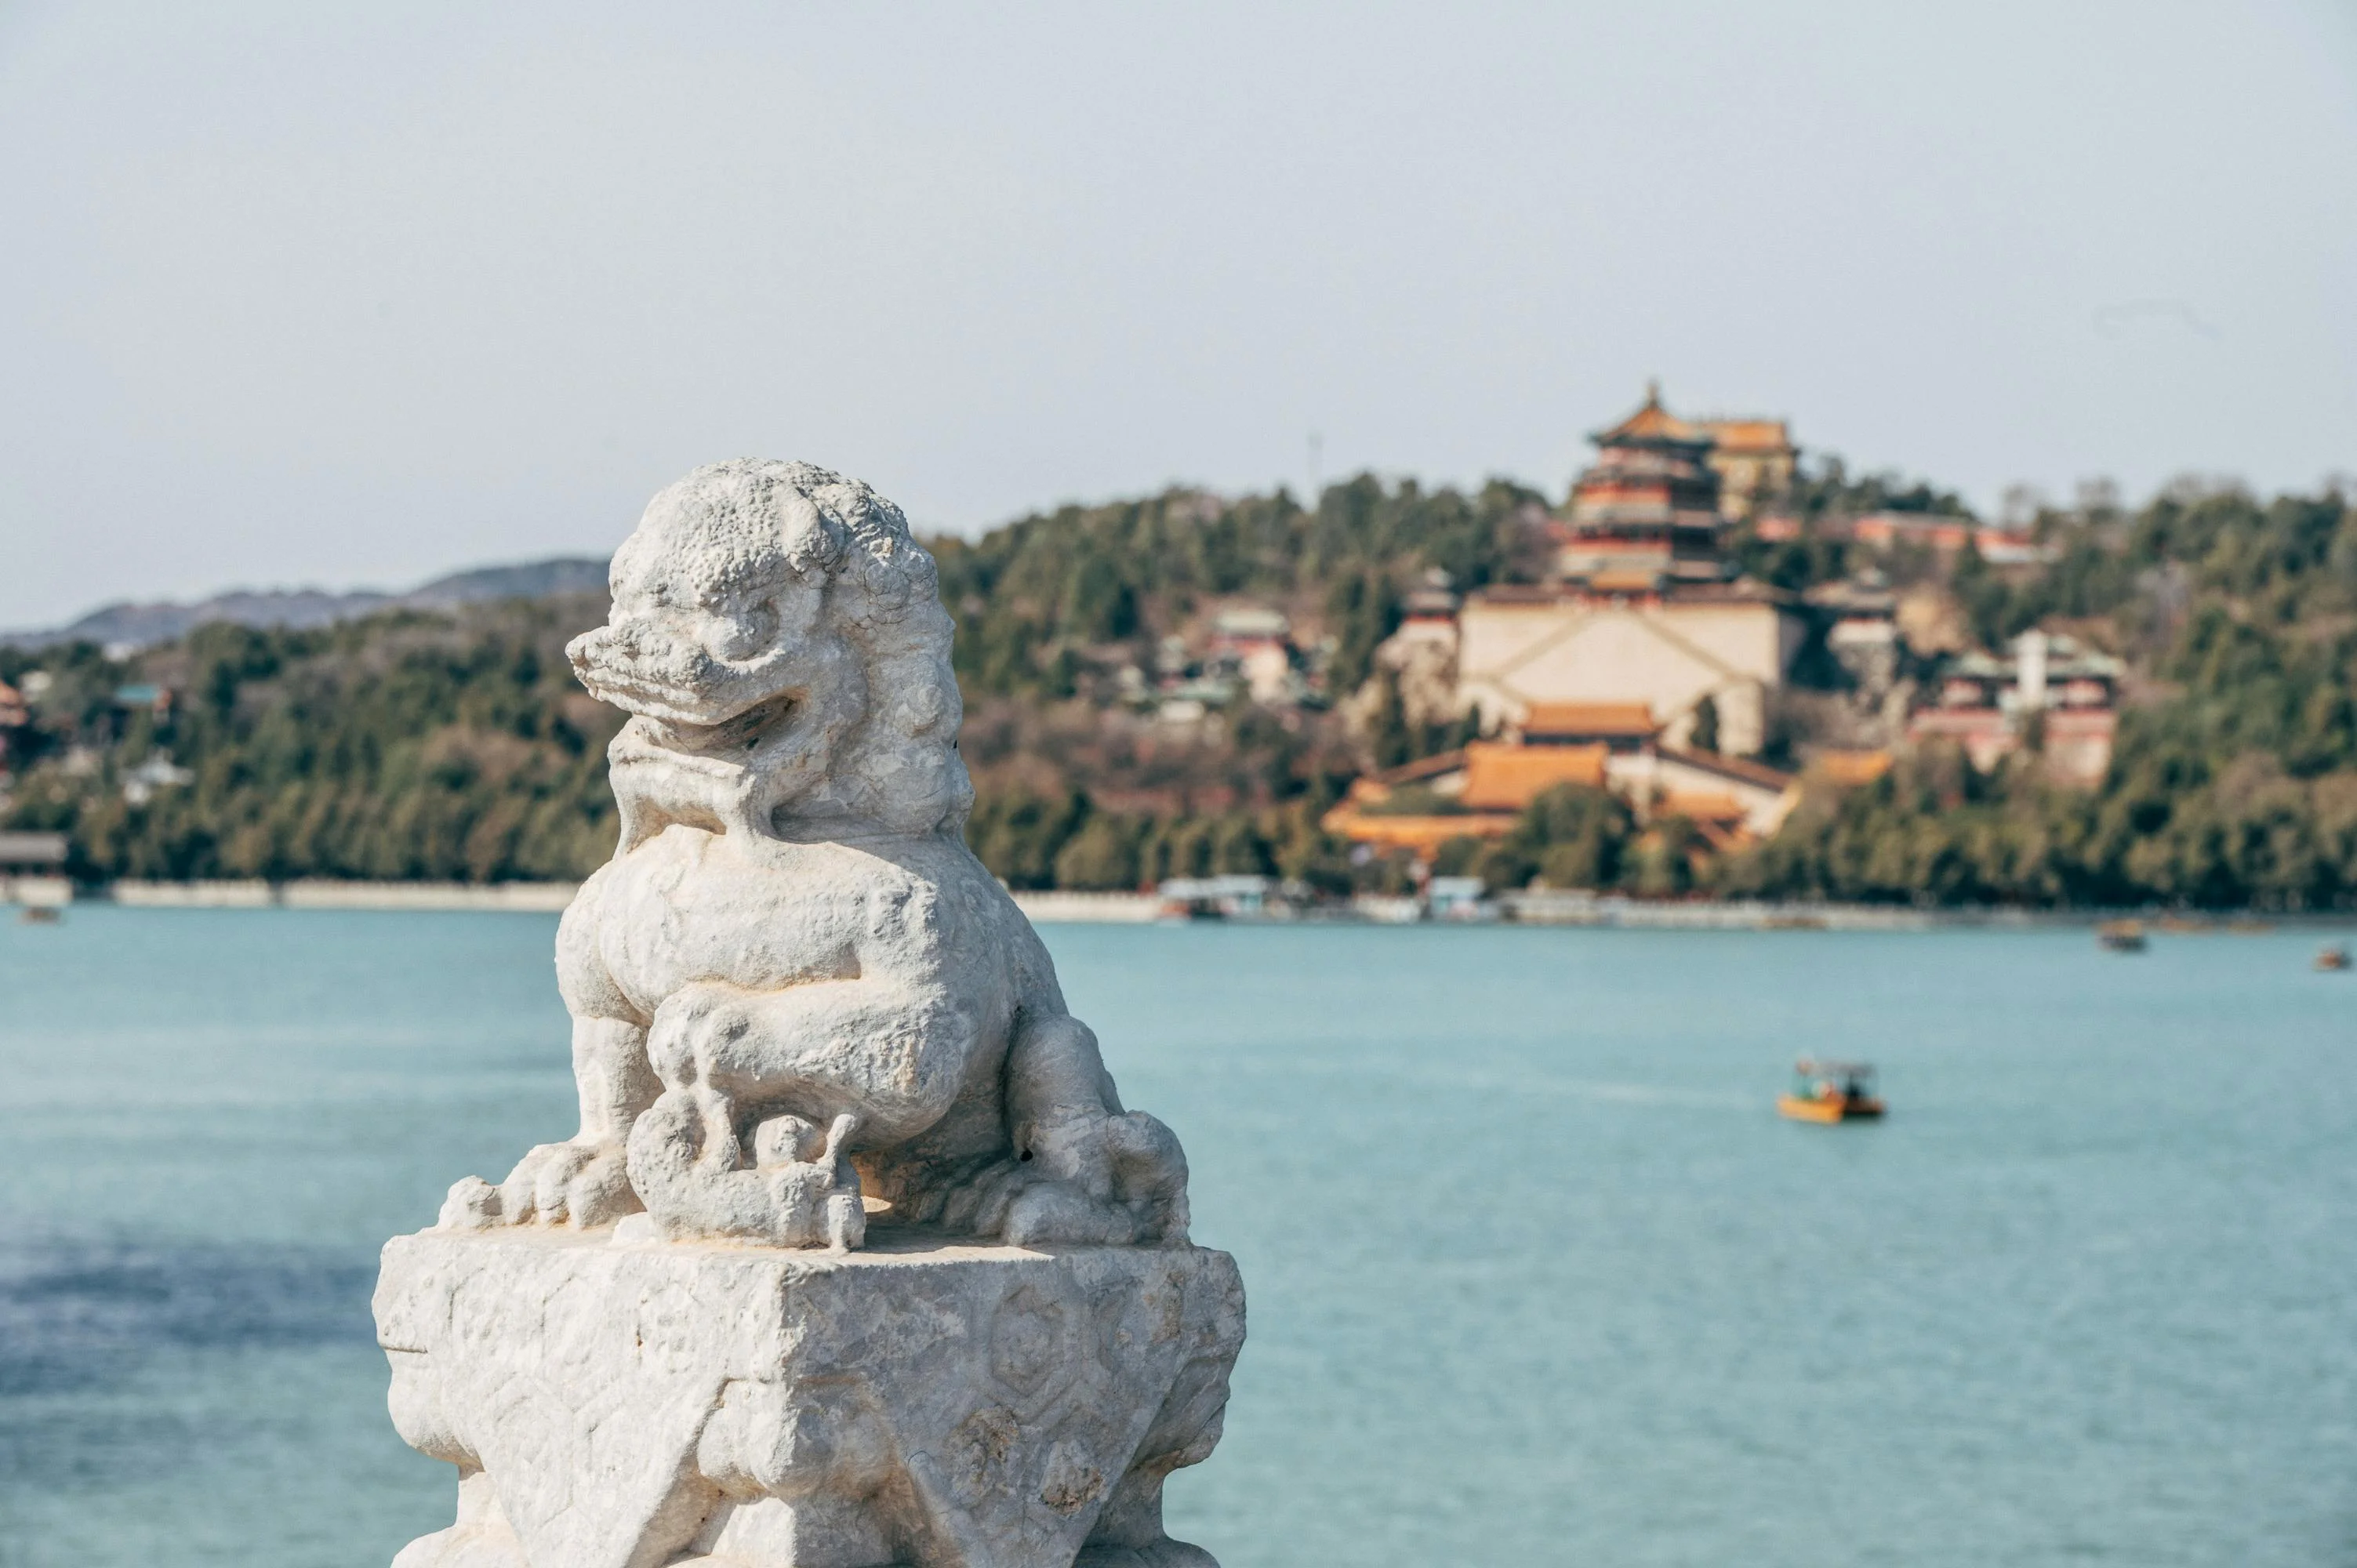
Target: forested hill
x,y
2234,779
456,745
453,744
1036,598
408,746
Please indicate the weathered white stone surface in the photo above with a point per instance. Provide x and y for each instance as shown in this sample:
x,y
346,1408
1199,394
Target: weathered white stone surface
x,y
624,1405
794,984
800,1007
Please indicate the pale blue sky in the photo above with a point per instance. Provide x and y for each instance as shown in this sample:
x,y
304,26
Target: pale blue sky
x,y
323,294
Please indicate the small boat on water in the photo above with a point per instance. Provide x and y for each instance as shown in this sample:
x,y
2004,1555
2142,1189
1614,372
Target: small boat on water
x,y
2121,936
2333,957
1829,1092
38,914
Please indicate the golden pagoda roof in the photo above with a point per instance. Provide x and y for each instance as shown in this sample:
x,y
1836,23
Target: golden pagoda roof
x,y
1653,423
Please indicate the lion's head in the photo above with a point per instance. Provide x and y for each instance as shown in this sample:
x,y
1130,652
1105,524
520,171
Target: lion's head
x,y
778,634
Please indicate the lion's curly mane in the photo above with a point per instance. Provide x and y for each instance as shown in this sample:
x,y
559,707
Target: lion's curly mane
x,y
873,735
899,766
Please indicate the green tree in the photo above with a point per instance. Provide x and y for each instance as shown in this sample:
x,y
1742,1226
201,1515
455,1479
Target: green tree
x,y
1705,736
1102,856
1019,836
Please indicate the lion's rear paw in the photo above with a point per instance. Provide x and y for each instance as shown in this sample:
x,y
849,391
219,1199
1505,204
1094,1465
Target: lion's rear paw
x,y
1090,1181
1102,1180
1055,1212
1163,1554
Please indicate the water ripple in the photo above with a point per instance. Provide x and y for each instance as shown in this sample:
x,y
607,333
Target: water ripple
x,y
80,1313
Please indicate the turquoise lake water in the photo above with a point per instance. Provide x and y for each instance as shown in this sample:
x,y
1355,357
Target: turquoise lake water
x,y
1536,1274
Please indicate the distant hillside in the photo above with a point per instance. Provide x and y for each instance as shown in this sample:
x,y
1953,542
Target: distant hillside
x,y
301,609
527,580
439,734
416,744
426,736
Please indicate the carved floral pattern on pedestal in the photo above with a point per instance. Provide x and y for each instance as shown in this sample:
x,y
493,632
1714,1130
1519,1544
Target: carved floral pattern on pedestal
x,y
991,1407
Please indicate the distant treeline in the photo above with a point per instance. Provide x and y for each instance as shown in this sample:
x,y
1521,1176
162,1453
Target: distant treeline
x,y
407,746
457,746
2234,779
1034,598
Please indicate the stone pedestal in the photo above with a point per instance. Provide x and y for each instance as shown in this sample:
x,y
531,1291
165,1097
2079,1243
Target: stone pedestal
x,y
641,1404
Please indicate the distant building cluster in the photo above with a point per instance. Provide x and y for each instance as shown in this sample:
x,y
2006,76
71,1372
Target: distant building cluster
x,y
1998,545
2045,684
82,757
1250,652
1647,665
1482,790
14,715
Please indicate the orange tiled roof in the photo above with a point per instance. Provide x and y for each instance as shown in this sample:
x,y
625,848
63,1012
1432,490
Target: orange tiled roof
x,y
1626,580
1847,768
1589,718
1700,807
1421,836
2081,720
1653,421
1748,434
1501,778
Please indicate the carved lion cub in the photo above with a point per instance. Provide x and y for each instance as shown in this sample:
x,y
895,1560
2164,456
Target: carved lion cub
x,y
793,986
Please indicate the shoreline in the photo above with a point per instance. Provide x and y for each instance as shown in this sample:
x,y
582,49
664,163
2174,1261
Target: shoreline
x,y
513,898
1535,908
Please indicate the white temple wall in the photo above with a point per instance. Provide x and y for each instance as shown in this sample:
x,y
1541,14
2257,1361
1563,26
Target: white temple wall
x,y
1668,656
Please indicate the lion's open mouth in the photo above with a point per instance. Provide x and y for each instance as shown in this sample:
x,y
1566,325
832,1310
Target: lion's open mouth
x,y
738,733
677,684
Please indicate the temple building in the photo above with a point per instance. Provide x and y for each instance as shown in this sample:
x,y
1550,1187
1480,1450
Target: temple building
x,y
2046,690
1647,510
1482,790
1642,612
1668,650
1660,489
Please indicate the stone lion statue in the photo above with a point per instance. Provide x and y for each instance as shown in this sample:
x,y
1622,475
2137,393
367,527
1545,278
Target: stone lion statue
x,y
796,995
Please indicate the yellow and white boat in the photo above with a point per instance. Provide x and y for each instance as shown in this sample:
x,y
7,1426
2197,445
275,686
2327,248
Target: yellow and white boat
x,y
1829,1092
2120,936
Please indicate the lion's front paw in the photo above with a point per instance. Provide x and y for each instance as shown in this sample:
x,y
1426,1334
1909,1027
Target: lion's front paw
x,y
577,1184
801,1189
810,1182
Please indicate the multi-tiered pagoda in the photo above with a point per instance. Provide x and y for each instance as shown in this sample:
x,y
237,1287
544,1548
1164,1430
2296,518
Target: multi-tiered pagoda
x,y
1645,516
